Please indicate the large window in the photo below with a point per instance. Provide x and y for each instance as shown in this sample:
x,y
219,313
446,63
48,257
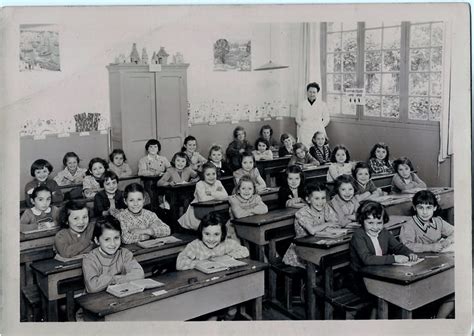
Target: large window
x,y
398,64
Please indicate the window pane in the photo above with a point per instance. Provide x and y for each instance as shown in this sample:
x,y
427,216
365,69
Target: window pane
x,y
420,35
333,62
349,41
334,42
436,34
334,26
349,62
435,109
373,39
418,84
373,60
349,81
391,60
348,108
436,59
418,109
390,106
372,83
390,83
372,106
419,59
436,84
391,38
334,104
334,83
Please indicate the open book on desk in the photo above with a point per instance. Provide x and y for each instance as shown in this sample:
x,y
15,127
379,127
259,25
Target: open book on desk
x,y
158,242
409,263
132,287
218,264
331,232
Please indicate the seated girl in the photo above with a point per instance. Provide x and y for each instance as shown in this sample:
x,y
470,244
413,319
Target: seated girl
x,y
212,242
75,238
291,194
216,157
286,148
179,172
301,157
316,216
406,180
237,147
372,244
247,168
262,150
190,149
344,203
94,180
340,163
110,199
320,149
379,160
41,171
72,173
109,264
209,188
364,186
42,215
118,163
426,233
266,132
139,224
244,202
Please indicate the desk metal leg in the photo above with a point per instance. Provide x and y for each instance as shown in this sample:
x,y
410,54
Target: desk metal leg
x,y
272,277
407,314
257,309
382,309
260,253
328,289
310,296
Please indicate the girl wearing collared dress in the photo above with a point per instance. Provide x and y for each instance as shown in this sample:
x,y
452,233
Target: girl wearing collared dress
x,y
344,203
340,163
118,163
364,186
316,216
208,189
301,156
94,180
262,150
320,149
425,232
72,173
42,215
190,149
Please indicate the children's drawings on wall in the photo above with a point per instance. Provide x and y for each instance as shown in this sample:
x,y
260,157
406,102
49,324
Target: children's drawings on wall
x,y
39,48
215,111
82,122
232,55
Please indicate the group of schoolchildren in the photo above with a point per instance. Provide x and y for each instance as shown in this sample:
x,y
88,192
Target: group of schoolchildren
x,y
122,217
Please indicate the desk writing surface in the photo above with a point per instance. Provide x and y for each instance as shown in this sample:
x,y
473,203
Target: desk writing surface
x,y
26,236
439,262
270,217
52,266
176,283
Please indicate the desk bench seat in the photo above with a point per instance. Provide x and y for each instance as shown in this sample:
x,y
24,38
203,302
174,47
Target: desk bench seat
x,y
289,274
344,300
33,298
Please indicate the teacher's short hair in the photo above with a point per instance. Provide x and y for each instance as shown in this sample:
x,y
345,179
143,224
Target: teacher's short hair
x,y
313,84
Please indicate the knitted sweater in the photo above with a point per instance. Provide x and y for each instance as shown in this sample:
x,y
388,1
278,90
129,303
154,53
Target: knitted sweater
x,y
69,244
143,220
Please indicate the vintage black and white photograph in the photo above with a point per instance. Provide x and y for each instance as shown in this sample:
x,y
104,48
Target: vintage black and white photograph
x,y
210,165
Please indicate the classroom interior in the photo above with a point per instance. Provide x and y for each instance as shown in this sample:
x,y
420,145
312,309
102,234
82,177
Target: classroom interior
x,y
410,75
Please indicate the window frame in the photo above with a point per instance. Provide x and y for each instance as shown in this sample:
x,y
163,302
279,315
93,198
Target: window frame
x,y
404,74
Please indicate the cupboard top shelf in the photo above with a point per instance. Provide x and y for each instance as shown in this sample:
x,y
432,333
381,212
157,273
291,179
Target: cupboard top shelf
x,y
143,67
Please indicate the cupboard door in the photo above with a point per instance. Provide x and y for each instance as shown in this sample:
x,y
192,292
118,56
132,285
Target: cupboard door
x,y
139,119
171,112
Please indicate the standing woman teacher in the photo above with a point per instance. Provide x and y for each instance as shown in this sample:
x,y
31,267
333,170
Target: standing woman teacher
x,y
312,115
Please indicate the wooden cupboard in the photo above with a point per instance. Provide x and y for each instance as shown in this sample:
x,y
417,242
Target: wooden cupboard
x,y
147,105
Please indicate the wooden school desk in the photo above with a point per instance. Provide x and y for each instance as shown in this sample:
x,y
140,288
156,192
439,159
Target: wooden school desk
x,y
401,204
266,229
411,287
51,273
270,168
325,256
189,294
316,173
203,208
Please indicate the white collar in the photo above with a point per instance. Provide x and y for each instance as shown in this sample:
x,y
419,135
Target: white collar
x,y
39,212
